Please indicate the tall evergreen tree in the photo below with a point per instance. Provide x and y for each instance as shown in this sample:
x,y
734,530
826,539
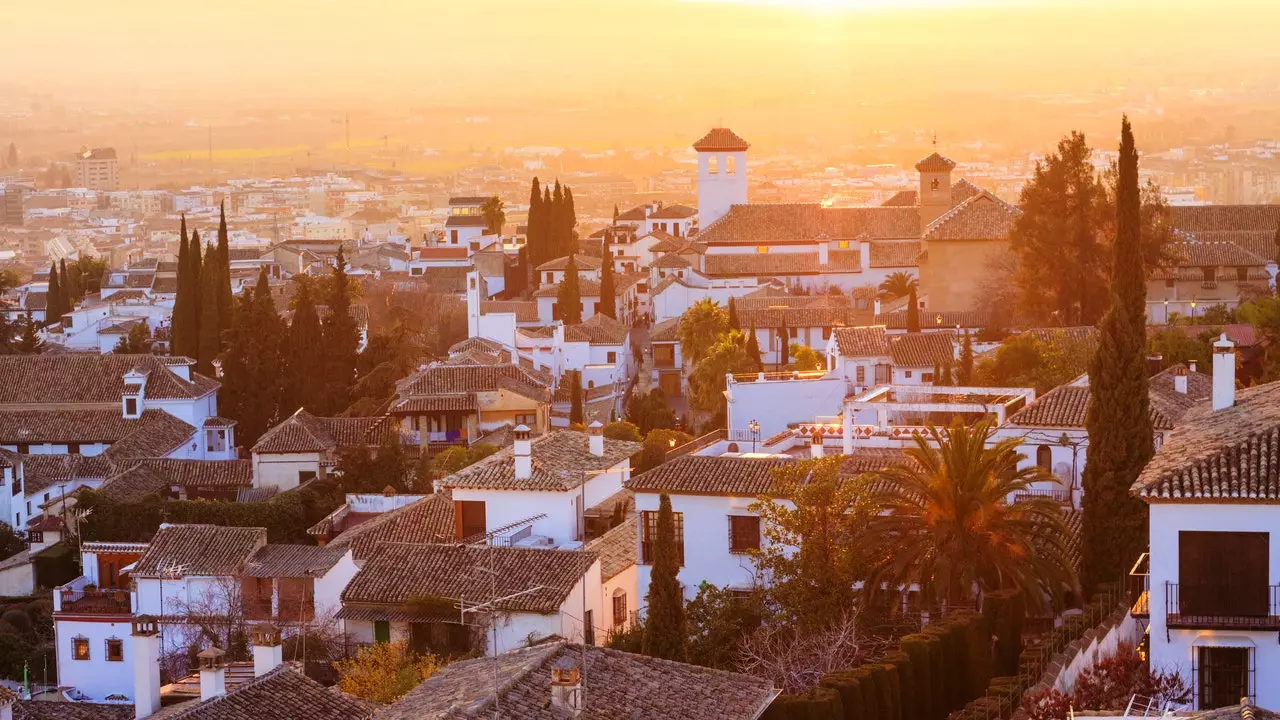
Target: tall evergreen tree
x,y
947,366
1276,241
784,340
13,155
29,343
180,330
937,372
225,303
209,340
913,311
569,218
252,366
753,349
196,310
535,237
666,631
608,289
569,295
53,299
733,315
68,286
1118,418
558,241
304,357
575,398
964,373
341,339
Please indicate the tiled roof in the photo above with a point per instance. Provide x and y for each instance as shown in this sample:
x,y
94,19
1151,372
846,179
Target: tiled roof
x,y
200,550
982,217
476,343
1066,405
524,310
78,378
584,262
781,263
962,190
461,402
894,253
674,212
429,520
1233,453
759,223
1237,712
41,471
304,432
902,198
591,288
862,341
921,349
935,163
46,710
708,475
806,311
136,480
600,329
616,548
615,684
457,221
560,461
92,546
872,459
1214,254
293,561
721,139
672,260
397,573
159,435
1252,227
155,430
454,379
897,319
282,694
666,331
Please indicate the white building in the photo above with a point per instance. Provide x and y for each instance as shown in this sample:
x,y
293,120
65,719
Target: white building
x,y
304,447
722,173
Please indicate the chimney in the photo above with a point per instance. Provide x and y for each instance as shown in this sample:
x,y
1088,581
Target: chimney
x,y
520,449
824,253
144,645
595,438
213,674
1154,361
566,686
1180,379
1224,373
267,651
815,443
864,254
876,305
1191,365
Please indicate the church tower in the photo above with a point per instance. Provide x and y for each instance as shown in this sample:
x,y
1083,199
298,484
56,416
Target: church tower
x,y
722,174
935,187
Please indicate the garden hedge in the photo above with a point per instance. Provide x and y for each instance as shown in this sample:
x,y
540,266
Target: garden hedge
x,y
845,682
1006,615
918,648
870,692
820,703
908,696
886,679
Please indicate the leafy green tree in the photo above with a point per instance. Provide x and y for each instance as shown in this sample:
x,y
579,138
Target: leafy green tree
x,y
304,358
12,542
253,364
1176,346
620,430
897,284
608,288
964,373
210,342
1026,361
1118,419
135,342
657,443
719,619
700,326
913,311
707,381
650,410
29,343
569,294
341,339
575,397
806,358
666,633
494,212
941,522
373,469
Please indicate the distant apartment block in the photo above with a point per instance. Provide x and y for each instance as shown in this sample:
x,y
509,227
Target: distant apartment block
x,y
96,169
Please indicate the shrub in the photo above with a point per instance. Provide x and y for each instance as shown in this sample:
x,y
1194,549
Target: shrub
x,y
918,648
905,676
871,706
846,683
820,703
1005,613
951,669
890,688
620,430
383,673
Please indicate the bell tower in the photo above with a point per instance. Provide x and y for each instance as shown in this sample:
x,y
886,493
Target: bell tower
x,y
935,187
722,174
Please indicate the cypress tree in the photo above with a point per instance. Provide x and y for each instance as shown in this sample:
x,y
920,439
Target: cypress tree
x,y
964,374
195,311
666,633
225,303
53,298
550,220
913,311
68,289
937,372
341,339
946,372
753,349
569,295
252,366
534,237
784,338
559,242
1277,243
29,343
179,326
1118,419
608,292
569,217
209,341
733,315
304,356
575,398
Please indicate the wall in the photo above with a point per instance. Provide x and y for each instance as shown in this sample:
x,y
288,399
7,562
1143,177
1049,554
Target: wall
x,y
18,581
281,470
774,403
329,587
1173,649
96,677
503,507
627,582
952,273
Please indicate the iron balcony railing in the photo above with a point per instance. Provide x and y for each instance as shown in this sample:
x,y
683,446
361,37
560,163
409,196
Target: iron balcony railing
x,y
1222,605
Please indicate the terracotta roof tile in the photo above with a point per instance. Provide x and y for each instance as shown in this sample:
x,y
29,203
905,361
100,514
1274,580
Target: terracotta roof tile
x,y
921,349
304,432
203,550
1066,405
781,263
894,253
936,163
135,480
82,378
293,561
1214,254
981,217
524,310
600,329
45,710
666,331
862,341
560,461
674,212
41,471
709,475
760,223
721,139
452,380
584,262
282,694
429,520
616,548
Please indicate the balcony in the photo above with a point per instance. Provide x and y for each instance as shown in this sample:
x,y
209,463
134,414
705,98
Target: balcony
x,y
1221,606
83,601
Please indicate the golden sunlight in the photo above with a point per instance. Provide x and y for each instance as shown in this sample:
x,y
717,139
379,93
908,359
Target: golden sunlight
x,y
825,5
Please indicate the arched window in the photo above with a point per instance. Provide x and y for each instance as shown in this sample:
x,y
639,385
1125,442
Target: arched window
x,y
711,164
733,447
728,165
935,184
1044,457
591,384
619,607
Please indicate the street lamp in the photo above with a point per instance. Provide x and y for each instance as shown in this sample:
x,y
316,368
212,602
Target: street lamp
x,y
1193,309
1166,311
755,433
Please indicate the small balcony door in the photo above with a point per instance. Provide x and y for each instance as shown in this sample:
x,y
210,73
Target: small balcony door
x,y
1223,676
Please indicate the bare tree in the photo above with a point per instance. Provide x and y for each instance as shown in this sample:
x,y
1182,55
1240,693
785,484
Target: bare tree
x,y
795,660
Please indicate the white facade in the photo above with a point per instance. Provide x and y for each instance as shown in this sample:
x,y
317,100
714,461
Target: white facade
x,y
773,402
722,183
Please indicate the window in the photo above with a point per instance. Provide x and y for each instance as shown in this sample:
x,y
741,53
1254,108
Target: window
x,y
762,249
611,357
115,650
591,384
1044,457
619,607
453,237
555,311
1223,678
711,164
80,648
306,475
1210,274
843,244
861,375
529,419
728,165
935,184
1169,283
469,518
73,449
826,333
131,406
1242,274
793,333
35,537
907,374
1223,574
744,533
23,449
381,631
588,628
551,278
924,377
649,534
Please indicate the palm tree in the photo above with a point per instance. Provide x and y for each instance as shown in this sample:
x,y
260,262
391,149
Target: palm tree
x,y
898,284
495,215
941,521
